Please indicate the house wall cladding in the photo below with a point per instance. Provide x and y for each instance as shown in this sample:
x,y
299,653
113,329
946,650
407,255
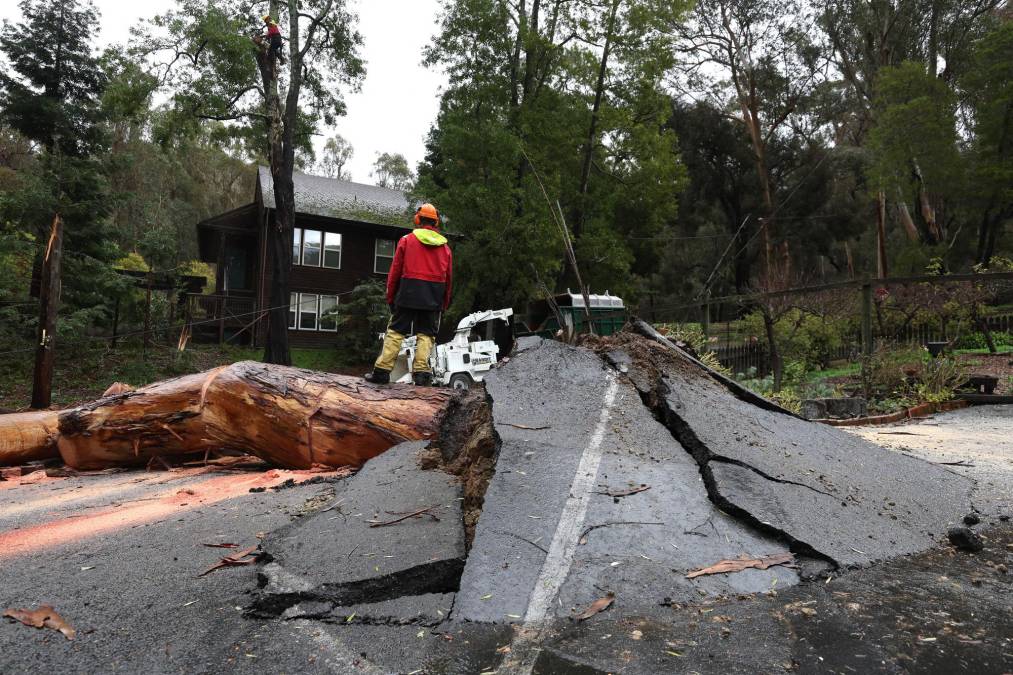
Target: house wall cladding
x,y
357,263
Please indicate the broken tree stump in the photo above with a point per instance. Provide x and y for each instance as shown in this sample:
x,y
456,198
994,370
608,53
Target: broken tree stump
x,y
292,418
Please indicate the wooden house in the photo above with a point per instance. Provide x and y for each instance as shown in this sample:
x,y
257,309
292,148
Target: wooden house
x,y
344,232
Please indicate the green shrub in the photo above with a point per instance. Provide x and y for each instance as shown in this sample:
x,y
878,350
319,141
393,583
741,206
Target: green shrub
x,y
977,340
361,316
805,341
692,334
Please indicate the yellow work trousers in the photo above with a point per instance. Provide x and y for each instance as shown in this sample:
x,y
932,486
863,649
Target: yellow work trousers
x,y
392,346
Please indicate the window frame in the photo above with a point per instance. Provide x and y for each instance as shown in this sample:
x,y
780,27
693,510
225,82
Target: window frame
x,y
297,247
323,249
320,248
320,313
377,256
293,311
316,312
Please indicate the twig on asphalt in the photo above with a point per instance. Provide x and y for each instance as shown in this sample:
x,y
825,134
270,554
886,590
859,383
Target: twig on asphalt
x,y
377,523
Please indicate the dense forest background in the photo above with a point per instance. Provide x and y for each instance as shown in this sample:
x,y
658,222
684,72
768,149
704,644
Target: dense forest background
x,y
717,147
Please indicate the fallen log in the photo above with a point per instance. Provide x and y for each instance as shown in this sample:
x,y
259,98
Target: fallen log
x,y
290,417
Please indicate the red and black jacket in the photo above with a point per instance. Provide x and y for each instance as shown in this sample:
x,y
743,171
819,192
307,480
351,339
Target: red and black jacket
x,y
420,274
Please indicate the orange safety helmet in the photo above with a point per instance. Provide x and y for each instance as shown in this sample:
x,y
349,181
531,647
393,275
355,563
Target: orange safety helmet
x,y
427,211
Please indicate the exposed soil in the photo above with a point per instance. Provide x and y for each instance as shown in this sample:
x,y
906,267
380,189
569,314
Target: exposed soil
x,y
467,446
997,365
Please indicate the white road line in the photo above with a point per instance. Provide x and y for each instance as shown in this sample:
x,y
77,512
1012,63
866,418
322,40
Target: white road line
x,y
564,543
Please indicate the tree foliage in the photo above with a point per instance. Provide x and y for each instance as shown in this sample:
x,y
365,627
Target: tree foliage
x,y
555,111
391,170
337,152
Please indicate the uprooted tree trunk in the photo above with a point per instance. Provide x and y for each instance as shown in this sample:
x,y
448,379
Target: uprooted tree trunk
x,y
292,418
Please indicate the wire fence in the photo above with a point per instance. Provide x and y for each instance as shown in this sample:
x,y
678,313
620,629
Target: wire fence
x,y
855,317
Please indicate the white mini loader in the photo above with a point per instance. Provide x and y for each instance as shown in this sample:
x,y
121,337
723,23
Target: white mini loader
x,y
457,363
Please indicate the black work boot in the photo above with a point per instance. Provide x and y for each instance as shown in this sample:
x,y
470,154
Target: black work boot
x,y
378,376
423,379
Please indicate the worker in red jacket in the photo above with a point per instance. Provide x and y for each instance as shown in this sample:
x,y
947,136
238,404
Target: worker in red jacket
x,y
274,36
418,290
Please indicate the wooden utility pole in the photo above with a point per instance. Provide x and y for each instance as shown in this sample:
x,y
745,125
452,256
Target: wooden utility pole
x,y
49,301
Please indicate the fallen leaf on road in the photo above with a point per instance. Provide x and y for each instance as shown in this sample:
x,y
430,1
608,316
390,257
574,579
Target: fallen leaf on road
x,y
505,649
599,605
526,428
247,557
728,566
222,545
626,493
43,617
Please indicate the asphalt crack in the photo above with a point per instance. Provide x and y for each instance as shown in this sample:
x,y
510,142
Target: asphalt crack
x,y
656,400
737,462
441,576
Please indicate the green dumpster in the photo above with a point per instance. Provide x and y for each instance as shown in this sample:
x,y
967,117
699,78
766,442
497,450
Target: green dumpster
x,y
608,315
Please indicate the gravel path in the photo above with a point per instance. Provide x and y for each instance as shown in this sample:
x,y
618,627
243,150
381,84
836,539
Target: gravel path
x,y
981,438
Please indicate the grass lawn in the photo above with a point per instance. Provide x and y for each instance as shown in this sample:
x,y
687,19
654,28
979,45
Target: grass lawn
x,y
83,374
836,371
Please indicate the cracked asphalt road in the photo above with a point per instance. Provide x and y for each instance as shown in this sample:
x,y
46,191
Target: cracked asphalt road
x,y
598,488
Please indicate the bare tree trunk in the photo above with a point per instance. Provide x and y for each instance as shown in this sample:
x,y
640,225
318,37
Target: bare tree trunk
x,y
591,141
775,356
881,235
290,417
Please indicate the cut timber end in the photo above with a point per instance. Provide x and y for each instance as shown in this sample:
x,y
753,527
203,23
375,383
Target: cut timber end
x,y
292,418
28,437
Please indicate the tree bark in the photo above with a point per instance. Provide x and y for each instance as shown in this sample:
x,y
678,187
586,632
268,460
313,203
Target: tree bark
x,y
290,417
279,234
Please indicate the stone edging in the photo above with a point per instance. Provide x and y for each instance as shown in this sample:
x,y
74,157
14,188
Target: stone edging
x,y
921,410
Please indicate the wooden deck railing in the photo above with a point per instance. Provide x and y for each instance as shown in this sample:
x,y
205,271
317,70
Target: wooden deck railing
x,y
222,311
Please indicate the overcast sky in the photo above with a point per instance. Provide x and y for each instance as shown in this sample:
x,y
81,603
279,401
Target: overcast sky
x,y
399,98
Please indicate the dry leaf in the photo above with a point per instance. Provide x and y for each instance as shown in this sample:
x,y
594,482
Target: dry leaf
x,y
599,605
728,566
247,557
43,617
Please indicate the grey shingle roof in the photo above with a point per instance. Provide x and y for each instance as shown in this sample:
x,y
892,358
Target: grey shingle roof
x,y
332,198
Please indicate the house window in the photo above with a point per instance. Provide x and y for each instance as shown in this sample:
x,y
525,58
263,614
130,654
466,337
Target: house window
x,y
311,248
332,250
308,311
293,303
296,244
384,255
327,305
